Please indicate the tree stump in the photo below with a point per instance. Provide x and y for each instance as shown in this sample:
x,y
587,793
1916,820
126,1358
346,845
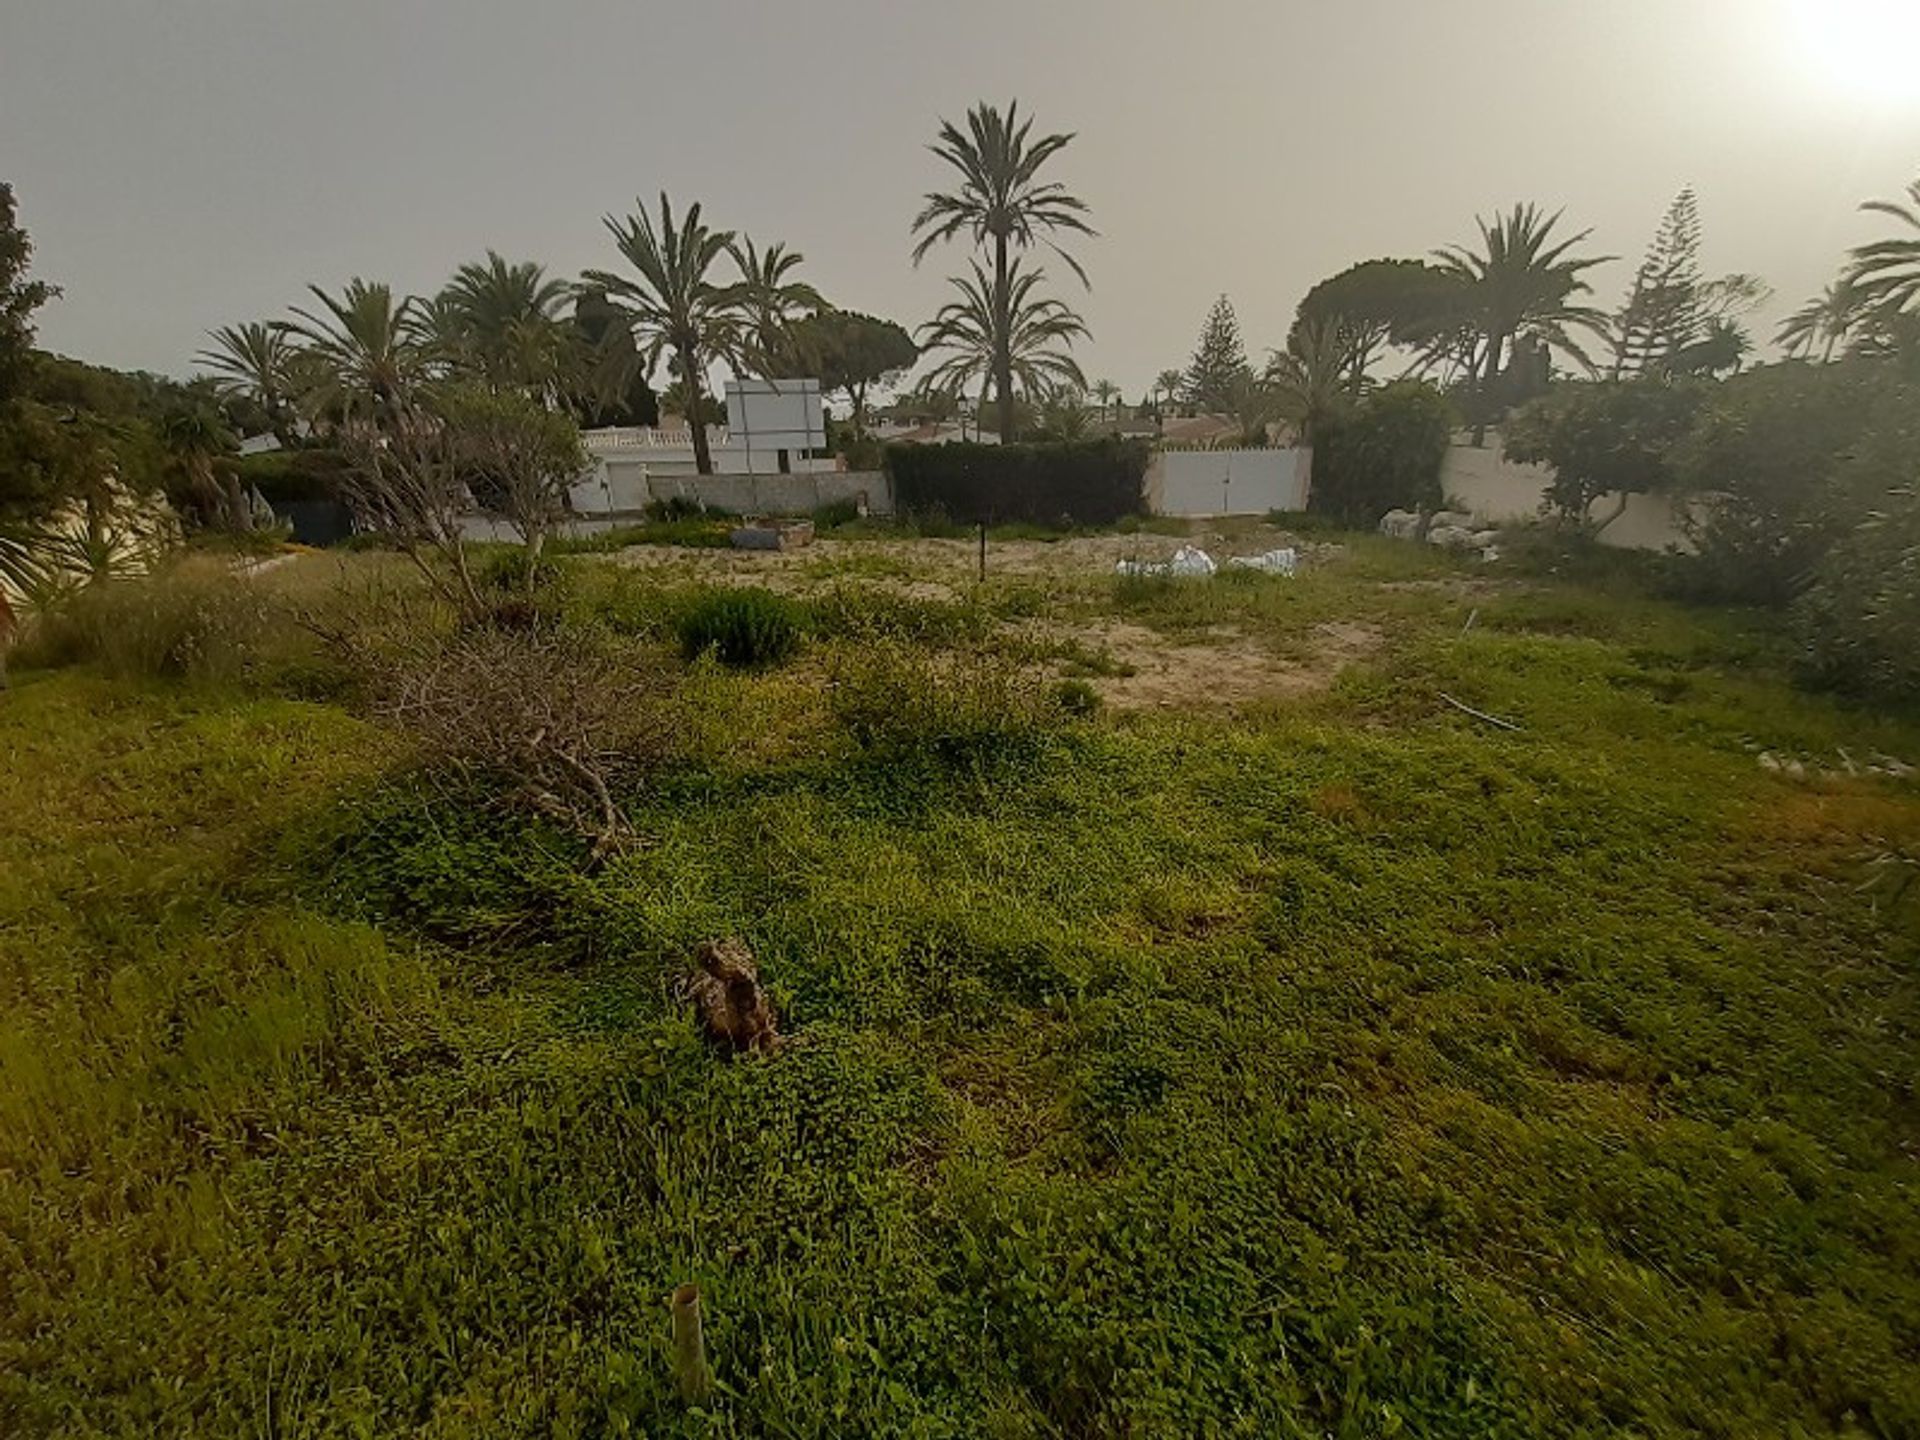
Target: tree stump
x,y
734,1011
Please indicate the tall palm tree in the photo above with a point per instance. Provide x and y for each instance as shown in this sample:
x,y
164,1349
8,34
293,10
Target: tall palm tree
x,y
673,304
255,362
1824,321
1309,381
770,300
362,351
1024,344
1521,283
1107,394
504,321
1000,201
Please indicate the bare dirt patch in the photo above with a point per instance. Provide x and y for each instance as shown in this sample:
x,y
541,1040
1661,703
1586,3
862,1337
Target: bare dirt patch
x,y
1226,669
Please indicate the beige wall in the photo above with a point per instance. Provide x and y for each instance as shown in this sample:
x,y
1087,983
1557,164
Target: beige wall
x,y
1499,490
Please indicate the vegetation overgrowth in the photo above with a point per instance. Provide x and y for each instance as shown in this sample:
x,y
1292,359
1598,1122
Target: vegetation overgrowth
x,y
1339,1064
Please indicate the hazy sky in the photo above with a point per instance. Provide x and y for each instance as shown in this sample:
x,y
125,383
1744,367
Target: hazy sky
x,y
186,163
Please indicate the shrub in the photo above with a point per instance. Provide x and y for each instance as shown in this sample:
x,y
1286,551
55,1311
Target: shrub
x,y
742,627
1385,456
961,708
193,620
1076,697
867,613
1604,437
558,720
1093,482
1783,461
1858,623
835,513
680,507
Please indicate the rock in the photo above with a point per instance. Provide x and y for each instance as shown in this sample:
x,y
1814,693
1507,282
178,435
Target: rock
x,y
734,1011
1485,539
1459,519
1454,537
1400,525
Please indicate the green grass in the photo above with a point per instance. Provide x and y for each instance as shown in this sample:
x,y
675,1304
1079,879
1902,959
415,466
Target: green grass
x,y
1349,1067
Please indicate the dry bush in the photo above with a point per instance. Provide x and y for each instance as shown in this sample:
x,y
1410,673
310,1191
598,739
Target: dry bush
x,y
562,719
193,619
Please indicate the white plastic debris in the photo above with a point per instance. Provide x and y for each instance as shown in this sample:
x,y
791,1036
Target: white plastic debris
x,y
1188,562
1274,562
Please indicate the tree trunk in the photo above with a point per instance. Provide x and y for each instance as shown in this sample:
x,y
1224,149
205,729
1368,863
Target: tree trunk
x,y
696,422
1002,340
1496,342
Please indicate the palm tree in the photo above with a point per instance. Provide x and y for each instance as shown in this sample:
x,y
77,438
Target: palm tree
x,y
1063,414
1166,385
673,305
1824,320
1107,394
504,322
771,301
1024,344
197,443
1886,273
1309,381
1517,285
1000,200
362,351
254,361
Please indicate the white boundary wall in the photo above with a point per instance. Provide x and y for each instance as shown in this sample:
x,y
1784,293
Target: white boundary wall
x,y
1228,482
1498,490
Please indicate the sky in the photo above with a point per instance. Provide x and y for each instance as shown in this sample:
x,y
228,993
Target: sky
x,y
183,164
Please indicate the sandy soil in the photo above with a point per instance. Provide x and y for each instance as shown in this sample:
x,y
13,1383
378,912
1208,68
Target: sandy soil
x,y
1228,669
1223,668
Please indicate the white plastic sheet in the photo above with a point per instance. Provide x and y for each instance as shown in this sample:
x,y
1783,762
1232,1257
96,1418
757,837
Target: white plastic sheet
x,y
1189,561
1274,562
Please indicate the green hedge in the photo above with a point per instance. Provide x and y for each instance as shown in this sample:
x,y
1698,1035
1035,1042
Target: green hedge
x,y
1090,482
283,476
1386,455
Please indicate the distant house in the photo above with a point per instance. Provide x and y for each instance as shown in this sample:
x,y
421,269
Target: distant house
x,y
1200,431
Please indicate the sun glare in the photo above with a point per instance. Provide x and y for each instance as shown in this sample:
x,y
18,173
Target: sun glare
x,y
1868,49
